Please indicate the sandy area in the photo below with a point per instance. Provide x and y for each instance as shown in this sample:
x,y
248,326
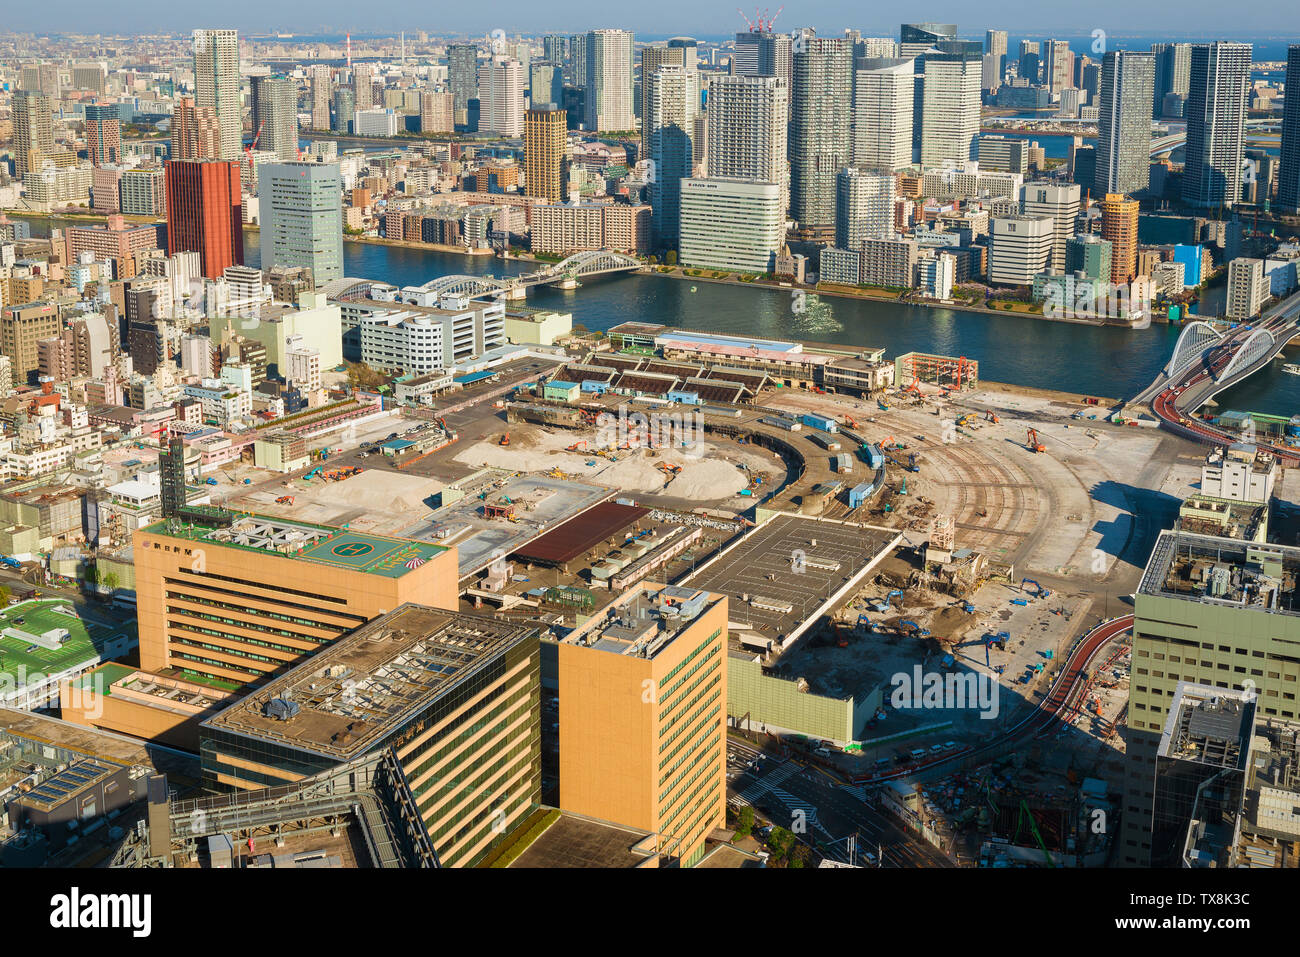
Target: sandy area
x,y
709,471
376,500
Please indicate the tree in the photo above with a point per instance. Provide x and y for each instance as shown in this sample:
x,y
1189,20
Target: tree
x,y
780,840
745,823
670,258
110,581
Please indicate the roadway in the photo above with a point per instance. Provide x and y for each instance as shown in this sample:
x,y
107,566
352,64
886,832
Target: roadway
x,y
1174,401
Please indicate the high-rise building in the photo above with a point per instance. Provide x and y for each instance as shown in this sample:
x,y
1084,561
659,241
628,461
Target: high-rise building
x,y
545,85
321,79
674,103
1288,179
546,139
1173,68
217,86
819,132
1020,247
555,48
462,77
995,45
608,87
1090,255
1119,227
1059,67
344,107
1124,123
1029,62
22,327
204,212
915,38
437,111
731,224
501,96
363,85
747,131
277,117
1216,123
33,131
103,134
1002,154
1210,611
652,58
881,135
1060,204
950,110
864,206
302,217
576,74
1248,289
643,711
196,134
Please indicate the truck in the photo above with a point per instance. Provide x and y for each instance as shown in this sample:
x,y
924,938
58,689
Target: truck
x,y
211,481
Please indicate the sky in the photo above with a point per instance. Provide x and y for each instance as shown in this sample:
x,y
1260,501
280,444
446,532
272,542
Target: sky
x,y
1199,19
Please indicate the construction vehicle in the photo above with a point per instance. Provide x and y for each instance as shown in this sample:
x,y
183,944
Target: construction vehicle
x,y
966,419
1040,591
884,406
577,445
210,481
1033,444
505,439
10,561
902,489
865,622
284,500
883,606
1019,601
990,416
911,465
915,630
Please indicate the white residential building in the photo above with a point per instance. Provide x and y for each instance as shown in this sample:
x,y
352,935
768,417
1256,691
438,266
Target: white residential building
x,y
731,224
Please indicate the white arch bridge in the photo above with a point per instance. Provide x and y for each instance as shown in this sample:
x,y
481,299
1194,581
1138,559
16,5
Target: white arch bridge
x,y
566,273
1212,359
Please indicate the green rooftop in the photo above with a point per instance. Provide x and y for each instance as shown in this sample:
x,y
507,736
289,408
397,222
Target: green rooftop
x,y
18,650
306,541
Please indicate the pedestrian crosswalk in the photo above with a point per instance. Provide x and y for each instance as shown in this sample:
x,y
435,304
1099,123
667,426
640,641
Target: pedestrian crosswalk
x,y
767,782
799,805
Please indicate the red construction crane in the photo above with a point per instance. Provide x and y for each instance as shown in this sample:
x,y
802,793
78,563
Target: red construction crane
x,y
1034,445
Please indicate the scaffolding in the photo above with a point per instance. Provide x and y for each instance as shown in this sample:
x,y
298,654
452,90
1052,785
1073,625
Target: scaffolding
x,y
955,372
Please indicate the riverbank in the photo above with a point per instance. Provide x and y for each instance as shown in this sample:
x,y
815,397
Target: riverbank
x,y
844,292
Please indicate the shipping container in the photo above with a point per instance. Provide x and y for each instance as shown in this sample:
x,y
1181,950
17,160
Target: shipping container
x,y
843,463
819,422
824,440
861,493
874,457
781,423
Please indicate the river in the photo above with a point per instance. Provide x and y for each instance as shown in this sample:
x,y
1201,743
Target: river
x,y
1015,349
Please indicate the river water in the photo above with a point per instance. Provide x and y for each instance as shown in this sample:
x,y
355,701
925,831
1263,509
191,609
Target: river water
x,y
1015,349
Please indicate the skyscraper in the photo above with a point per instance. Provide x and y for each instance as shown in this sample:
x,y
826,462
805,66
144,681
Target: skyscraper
x,y
103,134
1059,67
321,78
302,217
995,43
673,104
1173,62
1124,123
363,85
545,85
652,58
196,134
915,38
819,130
1216,123
277,117
343,106
462,77
608,87
950,104
204,212
501,96
882,113
217,84
545,140
437,111
576,71
864,206
1119,227
33,131
1288,180
555,48
747,131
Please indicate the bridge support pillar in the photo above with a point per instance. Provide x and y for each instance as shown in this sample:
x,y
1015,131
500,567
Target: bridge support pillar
x,y
569,283
515,293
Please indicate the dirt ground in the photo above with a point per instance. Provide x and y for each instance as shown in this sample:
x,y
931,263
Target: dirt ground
x,y
709,472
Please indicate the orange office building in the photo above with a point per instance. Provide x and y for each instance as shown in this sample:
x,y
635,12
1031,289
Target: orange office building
x,y
1119,227
643,712
227,605
205,212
